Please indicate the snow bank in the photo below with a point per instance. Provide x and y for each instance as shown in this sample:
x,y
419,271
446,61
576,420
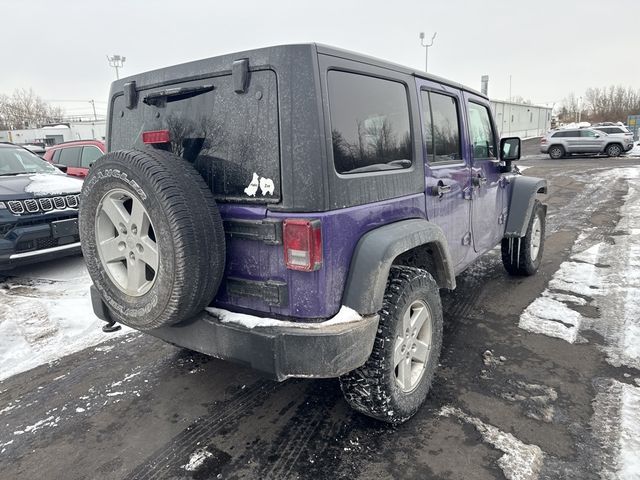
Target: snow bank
x,y
42,320
616,424
345,315
51,184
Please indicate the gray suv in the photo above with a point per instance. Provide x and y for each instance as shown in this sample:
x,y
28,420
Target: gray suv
x,y
559,143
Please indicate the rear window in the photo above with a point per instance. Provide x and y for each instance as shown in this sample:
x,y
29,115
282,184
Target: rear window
x,y
231,138
370,127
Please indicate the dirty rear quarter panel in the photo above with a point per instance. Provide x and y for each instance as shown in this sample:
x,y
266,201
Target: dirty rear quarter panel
x,y
311,294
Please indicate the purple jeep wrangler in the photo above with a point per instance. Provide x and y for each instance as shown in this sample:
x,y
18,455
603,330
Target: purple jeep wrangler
x,y
298,208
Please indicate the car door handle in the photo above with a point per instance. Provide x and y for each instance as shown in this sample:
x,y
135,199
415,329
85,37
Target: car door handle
x,y
440,189
479,181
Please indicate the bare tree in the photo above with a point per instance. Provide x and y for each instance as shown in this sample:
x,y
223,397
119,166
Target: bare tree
x,y
606,104
25,109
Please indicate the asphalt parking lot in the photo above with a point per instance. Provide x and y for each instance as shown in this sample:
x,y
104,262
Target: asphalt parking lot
x,y
537,376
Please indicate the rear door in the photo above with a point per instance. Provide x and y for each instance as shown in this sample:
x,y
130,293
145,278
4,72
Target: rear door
x,y
89,155
447,168
70,157
487,216
574,142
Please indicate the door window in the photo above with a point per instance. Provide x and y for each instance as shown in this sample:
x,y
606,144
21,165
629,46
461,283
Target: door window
x,y
89,155
70,156
370,126
441,127
483,139
587,133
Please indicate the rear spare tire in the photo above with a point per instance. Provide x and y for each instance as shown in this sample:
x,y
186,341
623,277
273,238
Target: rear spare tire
x,y
152,237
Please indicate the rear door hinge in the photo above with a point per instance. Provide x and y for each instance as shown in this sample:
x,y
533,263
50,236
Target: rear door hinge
x,y
502,218
466,240
467,193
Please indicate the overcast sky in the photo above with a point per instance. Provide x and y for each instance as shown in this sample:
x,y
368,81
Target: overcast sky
x,y
549,47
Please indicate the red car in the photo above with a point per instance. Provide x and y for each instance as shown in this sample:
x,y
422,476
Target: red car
x,y
77,156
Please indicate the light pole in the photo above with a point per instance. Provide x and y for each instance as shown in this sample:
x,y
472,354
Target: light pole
x,y
426,46
579,109
116,61
93,104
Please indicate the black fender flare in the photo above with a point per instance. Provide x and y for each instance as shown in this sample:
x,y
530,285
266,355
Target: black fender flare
x,y
523,195
375,253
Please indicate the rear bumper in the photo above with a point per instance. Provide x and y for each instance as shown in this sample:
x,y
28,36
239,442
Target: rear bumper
x,y
304,350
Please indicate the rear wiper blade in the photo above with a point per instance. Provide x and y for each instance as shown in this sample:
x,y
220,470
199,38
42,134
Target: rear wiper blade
x,y
169,95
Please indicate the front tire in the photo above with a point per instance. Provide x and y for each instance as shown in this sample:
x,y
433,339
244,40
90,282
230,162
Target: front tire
x,y
522,256
613,150
394,382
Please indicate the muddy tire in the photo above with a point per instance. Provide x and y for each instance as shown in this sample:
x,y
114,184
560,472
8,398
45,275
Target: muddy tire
x,y
522,256
151,236
556,152
394,382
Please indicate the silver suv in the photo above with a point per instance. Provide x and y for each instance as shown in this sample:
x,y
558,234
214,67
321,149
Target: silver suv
x,y
559,143
618,131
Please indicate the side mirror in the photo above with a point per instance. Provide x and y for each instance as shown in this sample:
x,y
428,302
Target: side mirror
x,y
62,168
510,149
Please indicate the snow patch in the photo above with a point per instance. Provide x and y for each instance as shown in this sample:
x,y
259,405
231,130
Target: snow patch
x,y
552,318
614,289
52,184
520,460
196,460
345,315
616,424
44,320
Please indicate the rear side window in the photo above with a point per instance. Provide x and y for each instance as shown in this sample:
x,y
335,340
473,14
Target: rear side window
x,y
56,156
70,156
566,134
89,155
370,127
441,127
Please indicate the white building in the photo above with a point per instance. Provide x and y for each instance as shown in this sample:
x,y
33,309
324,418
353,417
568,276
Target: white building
x,y
52,135
521,120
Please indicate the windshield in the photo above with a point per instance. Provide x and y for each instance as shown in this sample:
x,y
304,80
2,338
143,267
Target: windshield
x,y
16,161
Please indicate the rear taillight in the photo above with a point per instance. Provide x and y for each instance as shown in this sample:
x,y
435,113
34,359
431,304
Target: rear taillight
x,y
156,136
543,140
302,244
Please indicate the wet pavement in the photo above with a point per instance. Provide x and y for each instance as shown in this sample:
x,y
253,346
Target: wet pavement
x,y
507,402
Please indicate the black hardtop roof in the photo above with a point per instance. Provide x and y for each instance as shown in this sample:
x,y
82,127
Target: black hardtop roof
x,y
200,66
359,57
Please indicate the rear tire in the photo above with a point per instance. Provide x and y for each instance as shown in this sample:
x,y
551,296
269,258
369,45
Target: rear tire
x,y
613,150
556,152
393,383
162,269
522,256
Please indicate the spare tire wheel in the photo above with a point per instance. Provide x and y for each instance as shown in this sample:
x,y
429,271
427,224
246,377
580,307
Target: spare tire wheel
x,y
152,237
